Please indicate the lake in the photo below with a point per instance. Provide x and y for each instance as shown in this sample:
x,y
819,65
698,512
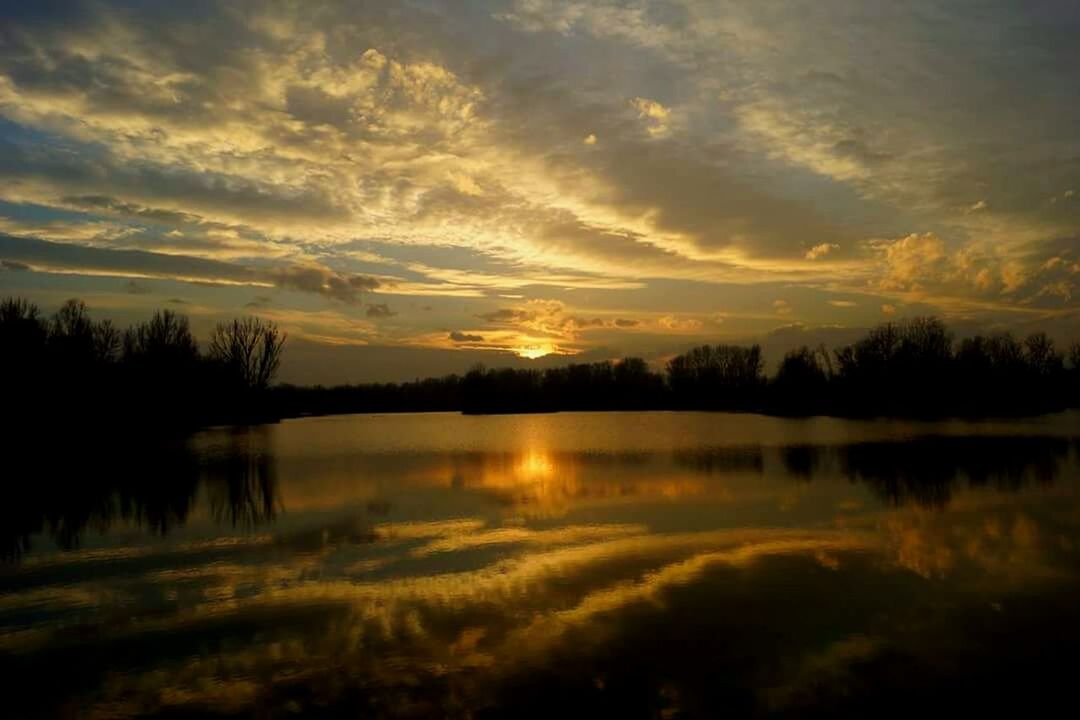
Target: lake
x,y
654,565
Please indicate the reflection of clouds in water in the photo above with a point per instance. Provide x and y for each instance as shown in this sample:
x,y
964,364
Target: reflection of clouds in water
x,y
525,536
830,666
546,628
513,610
396,572
523,605
995,544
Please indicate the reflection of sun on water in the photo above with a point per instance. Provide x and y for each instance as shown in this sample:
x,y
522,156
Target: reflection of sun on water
x,y
541,483
540,480
536,464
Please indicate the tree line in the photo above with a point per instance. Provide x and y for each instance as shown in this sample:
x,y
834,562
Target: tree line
x,y
912,368
69,367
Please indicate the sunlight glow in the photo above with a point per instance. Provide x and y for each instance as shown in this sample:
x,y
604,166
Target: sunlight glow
x,y
536,463
533,352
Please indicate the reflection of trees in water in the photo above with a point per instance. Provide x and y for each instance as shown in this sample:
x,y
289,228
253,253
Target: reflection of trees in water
x,y
802,461
722,460
242,489
86,488
926,470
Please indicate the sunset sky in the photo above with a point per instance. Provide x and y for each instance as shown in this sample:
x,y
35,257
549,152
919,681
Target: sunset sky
x,y
408,188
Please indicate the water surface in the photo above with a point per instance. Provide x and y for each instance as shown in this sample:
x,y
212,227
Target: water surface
x,y
607,564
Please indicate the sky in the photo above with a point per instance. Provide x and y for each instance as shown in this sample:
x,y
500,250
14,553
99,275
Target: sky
x,y
408,188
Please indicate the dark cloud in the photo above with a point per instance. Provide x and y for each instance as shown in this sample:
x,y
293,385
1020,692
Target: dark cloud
x,y
380,310
314,106
14,265
146,184
692,189
573,236
460,337
574,322
67,256
63,256
508,316
552,316
110,205
339,286
134,288
687,191
259,302
858,150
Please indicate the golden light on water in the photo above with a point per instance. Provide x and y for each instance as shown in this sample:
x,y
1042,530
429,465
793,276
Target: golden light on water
x,y
536,464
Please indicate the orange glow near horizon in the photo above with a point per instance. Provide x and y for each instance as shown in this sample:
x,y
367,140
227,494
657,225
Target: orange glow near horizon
x,y
532,352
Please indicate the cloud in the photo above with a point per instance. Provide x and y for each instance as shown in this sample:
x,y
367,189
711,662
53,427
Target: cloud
x,y
820,250
14,265
508,316
259,302
277,141
552,319
657,117
970,277
843,303
380,310
66,258
888,309
340,286
679,324
912,261
782,307
134,288
460,337
858,150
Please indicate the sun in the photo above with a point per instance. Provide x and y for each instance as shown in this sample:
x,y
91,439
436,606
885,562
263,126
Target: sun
x,y
533,352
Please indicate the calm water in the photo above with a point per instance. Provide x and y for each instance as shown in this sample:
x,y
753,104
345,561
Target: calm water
x,y
608,565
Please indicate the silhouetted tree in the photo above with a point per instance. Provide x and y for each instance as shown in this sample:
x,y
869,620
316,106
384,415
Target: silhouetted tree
x,y
77,339
75,370
249,349
999,374
77,366
636,386
164,340
163,376
717,377
20,325
898,368
107,341
1074,373
23,337
801,384
1042,359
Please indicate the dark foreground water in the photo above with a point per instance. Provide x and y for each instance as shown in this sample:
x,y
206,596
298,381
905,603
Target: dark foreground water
x,y
604,565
